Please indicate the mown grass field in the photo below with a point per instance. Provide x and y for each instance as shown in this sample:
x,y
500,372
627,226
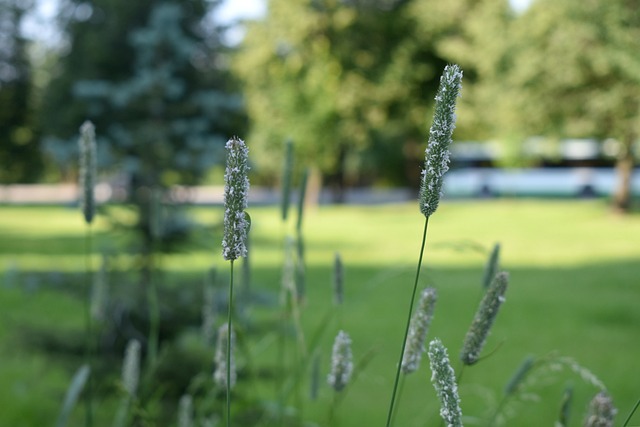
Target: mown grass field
x,y
574,291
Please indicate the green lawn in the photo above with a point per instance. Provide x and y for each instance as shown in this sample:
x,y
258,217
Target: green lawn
x,y
574,291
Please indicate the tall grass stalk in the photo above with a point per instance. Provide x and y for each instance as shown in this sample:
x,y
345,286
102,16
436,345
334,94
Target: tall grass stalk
x,y
633,411
436,165
236,227
87,174
228,365
156,228
288,285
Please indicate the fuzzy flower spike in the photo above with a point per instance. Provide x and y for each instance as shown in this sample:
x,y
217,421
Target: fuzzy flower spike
x,y
87,174
601,411
483,321
418,331
341,362
444,381
236,189
437,154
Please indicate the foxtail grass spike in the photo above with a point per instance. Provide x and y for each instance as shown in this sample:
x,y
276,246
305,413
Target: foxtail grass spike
x,y
208,313
286,178
341,362
601,411
72,395
288,269
565,407
518,377
418,331
444,381
492,266
485,317
100,291
236,191
87,174
338,280
437,153
185,411
220,374
131,368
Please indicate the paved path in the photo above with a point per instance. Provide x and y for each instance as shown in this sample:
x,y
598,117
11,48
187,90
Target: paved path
x,y
68,194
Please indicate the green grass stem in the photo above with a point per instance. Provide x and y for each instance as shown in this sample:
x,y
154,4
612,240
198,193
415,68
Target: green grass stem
x,y
88,325
633,411
229,329
406,331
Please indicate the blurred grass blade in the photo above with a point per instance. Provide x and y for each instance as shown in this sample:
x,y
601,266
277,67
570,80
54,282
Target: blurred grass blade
x,y
633,411
492,266
565,409
301,196
519,375
71,398
286,178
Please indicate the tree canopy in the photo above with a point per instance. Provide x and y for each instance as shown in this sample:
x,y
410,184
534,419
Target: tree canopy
x,y
150,74
19,147
347,81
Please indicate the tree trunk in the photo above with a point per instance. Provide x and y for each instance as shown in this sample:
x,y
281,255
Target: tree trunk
x,y
624,169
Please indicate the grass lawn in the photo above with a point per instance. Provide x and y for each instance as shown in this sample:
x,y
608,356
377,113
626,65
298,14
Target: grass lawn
x,y
574,291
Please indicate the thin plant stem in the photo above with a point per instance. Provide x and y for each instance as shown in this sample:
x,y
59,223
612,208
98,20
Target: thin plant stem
x,y
229,326
633,411
406,332
495,414
333,408
88,325
401,388
154,313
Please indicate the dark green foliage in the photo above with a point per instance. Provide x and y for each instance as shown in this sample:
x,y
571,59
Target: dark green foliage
x,y
350,82
150,76
19,147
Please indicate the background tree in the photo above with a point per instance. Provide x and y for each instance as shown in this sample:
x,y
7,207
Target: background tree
x,y
352,83
563,68
151,76
19,148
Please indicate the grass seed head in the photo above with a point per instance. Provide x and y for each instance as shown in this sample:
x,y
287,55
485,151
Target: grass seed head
x,y
437,154
338,280
601,411
485,317
341,362
131,367
444,381
88,167
236,191
418,330
185,411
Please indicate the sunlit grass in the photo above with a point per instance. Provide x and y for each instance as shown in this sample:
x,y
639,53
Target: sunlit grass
x,y
574,289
